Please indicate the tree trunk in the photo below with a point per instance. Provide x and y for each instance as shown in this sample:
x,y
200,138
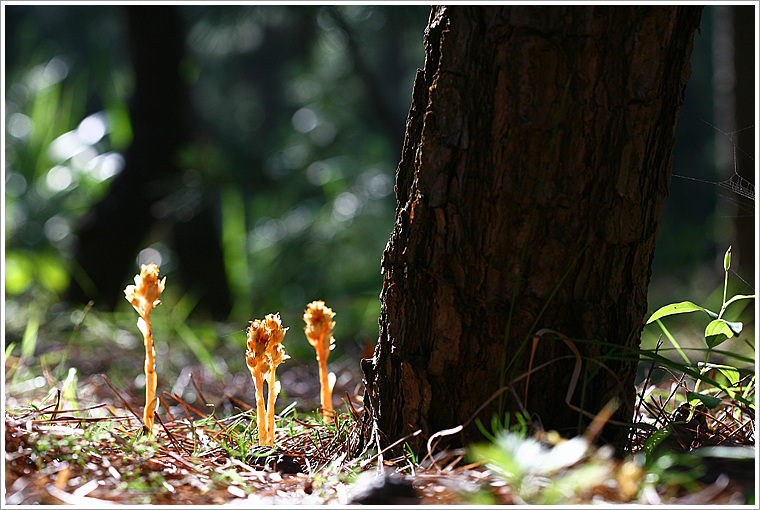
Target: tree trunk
x,y
537,154
742,91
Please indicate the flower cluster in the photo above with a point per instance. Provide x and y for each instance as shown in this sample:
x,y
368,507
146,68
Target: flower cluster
x,y
147,289
265,352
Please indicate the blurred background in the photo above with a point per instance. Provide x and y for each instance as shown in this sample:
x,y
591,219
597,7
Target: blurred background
x,y
250,152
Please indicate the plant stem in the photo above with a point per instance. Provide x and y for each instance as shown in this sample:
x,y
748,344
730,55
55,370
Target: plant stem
x,y
325,393
151,379
260,411
702,371
725,288
270,409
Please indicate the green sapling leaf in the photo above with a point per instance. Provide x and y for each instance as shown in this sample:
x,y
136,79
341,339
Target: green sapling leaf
x,y
675,308
708,400
731,373
717,332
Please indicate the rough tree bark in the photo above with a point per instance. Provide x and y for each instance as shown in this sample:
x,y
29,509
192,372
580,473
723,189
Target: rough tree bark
x,y
538,150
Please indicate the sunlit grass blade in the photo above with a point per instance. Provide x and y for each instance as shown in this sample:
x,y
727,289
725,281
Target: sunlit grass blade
x,y
672,340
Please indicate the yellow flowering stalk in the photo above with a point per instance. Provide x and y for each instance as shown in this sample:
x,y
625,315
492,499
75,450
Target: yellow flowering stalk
x,y
318,329
265,352
144,296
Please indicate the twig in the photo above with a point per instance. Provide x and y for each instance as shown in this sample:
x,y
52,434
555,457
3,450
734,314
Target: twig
x,y
126,404
238,402
380,453
191,408
168,433
57,403
166,407
198,389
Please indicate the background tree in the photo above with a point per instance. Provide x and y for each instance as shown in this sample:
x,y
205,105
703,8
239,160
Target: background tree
x,y
537,155
113,230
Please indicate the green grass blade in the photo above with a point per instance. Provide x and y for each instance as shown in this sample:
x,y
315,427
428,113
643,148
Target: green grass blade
x,y
8,351
673,341
29,340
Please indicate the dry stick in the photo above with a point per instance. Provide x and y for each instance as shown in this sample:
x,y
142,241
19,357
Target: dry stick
x,y
238,402
185,405
183,461
166,408
171,436
64,419
644,387
61,411
380,453
736,430
57,404
196,411
198,389
126,404
36,412
350,406
672,394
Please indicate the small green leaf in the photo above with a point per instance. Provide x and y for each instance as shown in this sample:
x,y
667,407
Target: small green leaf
x,y
717,332
727,260
653,441
731,373
675,308
708,400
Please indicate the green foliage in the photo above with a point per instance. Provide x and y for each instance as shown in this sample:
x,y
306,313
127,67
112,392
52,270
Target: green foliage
x,y
718,330
541,474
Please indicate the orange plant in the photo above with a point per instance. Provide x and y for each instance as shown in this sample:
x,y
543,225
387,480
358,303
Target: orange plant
x,y
264,353
144,296
318,329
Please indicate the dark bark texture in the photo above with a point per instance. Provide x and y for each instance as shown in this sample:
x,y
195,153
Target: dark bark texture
x,y
538,150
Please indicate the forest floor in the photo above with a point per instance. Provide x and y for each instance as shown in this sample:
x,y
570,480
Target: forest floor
x,y
73,435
